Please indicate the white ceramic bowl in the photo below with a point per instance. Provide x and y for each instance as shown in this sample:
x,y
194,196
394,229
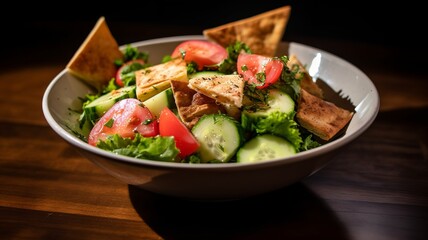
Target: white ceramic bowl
x,y
219,181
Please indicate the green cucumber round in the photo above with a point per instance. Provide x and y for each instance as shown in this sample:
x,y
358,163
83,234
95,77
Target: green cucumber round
x,y
219,136
265,147
277,101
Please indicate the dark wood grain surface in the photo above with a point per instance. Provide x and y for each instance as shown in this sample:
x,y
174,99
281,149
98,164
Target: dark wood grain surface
x,y
375,188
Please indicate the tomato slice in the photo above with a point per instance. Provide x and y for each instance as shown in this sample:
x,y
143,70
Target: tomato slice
x,y
170,125
251,65
202,52
126,117
126,68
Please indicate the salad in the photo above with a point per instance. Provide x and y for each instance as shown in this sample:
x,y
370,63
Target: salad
x,y
203,103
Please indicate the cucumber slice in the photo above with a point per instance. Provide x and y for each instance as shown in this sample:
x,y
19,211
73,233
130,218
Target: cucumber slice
x,y
102,104
265,147
219,137
163,99
205,74
278,101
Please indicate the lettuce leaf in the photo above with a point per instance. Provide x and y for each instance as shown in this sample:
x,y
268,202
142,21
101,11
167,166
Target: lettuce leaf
x,y
276,123
152,148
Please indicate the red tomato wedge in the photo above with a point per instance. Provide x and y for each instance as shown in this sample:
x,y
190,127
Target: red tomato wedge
x,y
126,117
171,125
128,67
202,52
250,65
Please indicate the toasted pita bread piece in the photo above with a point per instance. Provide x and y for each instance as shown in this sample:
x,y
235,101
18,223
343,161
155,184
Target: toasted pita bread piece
x,y
322,118
94,60
262,32
192,105
155,79
307,81
226,89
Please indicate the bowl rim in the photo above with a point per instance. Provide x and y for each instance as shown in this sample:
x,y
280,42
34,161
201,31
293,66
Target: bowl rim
x,y
321,150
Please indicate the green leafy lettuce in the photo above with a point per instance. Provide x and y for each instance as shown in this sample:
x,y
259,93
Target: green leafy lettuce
x,y
153,148
276,123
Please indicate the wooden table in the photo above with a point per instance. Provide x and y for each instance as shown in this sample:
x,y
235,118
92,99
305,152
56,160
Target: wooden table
x,y
375,188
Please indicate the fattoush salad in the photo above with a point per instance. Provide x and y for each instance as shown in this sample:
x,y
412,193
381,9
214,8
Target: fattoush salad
x,y
206,102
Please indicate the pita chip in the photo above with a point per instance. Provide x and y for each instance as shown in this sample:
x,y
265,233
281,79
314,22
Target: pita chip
x,y
156,78
322,118
227,89
262,32
94,60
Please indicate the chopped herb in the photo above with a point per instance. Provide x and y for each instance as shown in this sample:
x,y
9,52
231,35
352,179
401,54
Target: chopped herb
x,y
261,77
192,68
132,53
182,53
109,123
228,66
147,121
166,58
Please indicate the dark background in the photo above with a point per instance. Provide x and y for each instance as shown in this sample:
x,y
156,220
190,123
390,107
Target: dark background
x,y
39,33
